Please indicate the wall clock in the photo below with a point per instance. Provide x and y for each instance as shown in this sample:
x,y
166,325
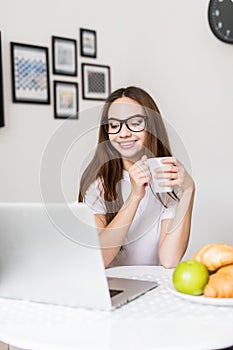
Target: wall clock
x,y
220,16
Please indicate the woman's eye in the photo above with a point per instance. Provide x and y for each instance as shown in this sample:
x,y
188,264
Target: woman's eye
x,y
114,126
136,123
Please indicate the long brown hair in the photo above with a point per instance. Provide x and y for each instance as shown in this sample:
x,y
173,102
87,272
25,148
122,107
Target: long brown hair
x,y
107,164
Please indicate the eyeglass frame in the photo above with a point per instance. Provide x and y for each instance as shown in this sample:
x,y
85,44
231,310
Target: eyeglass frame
x,y
124,121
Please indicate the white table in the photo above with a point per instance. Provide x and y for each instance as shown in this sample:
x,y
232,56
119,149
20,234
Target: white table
x,y
156,320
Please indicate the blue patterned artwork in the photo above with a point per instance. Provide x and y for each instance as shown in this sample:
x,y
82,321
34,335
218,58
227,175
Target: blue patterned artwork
x,y
30,74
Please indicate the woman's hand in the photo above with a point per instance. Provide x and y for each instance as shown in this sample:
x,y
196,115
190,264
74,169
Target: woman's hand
x,y
140,177
174,174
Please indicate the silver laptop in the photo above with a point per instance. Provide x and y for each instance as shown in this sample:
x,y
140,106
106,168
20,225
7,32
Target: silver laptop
x,y
51,254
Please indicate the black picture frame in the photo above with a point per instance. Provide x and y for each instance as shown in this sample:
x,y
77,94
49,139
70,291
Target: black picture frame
x,y
66,100
30,73
96,81
2,121
88,43
64,52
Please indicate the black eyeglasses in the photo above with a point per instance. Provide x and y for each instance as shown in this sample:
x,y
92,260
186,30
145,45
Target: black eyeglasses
x,y
136,123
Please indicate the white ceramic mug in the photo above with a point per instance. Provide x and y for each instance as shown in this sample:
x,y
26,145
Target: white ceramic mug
x,y
154,163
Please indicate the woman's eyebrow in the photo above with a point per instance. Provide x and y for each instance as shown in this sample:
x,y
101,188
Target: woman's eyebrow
x,y
131,116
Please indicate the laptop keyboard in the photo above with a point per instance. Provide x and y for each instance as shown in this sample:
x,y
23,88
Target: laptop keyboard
x,y
114,292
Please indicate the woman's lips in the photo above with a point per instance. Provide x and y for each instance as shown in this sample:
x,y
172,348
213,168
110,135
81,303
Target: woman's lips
x,y
126,144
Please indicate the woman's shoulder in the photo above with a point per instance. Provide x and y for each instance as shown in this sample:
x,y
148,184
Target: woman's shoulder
x,y
96,186
125,174
94,197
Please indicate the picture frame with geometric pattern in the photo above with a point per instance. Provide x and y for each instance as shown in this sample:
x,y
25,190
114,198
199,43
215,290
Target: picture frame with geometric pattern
x,y
96,81
30,73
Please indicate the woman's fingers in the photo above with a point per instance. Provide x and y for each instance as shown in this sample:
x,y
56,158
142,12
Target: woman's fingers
x,y
143,159
167,169
171,172
168,175
140,171
170,160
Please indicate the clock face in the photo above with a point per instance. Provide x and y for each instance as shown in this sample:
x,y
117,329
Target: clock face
x,y
220,15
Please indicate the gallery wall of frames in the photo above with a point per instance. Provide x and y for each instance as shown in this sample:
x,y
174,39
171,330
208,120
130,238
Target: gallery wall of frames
x,y
31,77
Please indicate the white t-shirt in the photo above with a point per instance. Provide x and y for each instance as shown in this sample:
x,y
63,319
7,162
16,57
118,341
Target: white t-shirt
x,y
140,246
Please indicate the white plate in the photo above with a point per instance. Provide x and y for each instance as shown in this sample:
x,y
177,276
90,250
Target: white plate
x,y
201,299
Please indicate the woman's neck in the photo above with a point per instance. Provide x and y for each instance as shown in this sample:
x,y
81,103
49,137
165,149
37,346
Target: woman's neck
x,y
128,162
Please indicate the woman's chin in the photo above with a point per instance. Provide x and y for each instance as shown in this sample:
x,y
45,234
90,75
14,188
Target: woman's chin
x,y
134,157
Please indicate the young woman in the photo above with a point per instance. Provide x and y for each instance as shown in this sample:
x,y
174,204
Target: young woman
x,y
137,226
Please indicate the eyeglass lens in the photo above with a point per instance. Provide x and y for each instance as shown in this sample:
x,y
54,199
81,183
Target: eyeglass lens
x,y
134,123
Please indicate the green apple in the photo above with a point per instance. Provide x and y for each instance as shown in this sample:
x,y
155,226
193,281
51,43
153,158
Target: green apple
x,y
190,277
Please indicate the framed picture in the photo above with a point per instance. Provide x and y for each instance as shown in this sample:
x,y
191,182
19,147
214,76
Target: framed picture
x,y
1,88
64,56
30,73
96,83
65,99
88,45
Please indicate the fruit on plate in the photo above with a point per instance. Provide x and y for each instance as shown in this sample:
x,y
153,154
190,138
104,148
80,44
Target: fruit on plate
x,y
190,277
214,256
218,258
220,284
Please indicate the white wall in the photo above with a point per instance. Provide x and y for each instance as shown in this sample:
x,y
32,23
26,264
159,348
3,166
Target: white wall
x,y
190,73
166,48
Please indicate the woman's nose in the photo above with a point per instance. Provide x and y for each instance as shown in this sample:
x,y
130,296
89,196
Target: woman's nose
x,y
125,131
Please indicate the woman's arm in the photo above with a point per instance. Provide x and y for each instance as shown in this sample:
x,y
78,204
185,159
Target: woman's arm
x,y
112,235
174,235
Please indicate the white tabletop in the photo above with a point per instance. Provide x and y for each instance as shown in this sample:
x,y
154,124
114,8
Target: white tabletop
x,y
158,320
